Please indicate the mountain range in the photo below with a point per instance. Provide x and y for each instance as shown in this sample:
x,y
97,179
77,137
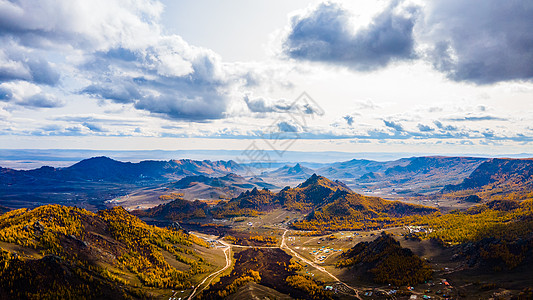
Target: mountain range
x,y
91,182
324,201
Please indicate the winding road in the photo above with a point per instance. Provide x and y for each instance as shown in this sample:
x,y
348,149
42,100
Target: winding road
x,y
283,245
227,254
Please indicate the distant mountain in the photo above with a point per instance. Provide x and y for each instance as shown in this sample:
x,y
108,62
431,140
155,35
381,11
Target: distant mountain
x,y
228,186
104,168
498,177
422,174
294,173
61,252
90,182
3,209
107,169
356,168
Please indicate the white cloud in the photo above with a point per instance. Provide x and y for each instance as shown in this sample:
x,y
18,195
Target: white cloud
x,y
27,94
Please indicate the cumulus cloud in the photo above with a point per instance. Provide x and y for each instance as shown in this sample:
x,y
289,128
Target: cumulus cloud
x,y
93,25
264,105
94,127
326,34
394,125
480,41
299,106
17,63
444,127
27,94
424,128
286,126
120,49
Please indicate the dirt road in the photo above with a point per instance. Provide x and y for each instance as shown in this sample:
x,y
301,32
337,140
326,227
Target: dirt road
x,y
283,245
227,254
320,268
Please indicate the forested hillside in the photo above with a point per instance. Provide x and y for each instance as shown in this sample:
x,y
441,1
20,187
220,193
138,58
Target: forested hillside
x,y
65,252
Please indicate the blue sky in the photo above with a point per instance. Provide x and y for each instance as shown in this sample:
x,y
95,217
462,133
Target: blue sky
x,y
440,76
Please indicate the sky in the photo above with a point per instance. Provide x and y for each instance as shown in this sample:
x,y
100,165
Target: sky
x,y
429,77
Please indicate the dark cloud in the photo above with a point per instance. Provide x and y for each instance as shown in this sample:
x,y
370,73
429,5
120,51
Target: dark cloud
x,y
478,41
326,35
394,125
481,41
192,90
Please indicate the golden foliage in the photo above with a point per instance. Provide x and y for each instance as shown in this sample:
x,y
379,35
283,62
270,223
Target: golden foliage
x,y
308,285
134,245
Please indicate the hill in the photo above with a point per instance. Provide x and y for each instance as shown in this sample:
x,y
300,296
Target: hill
x,y
65,252
490,242
497,178
227,186
313,192
385,261
178,209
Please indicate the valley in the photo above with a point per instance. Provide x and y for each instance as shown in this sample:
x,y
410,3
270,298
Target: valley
x,y
216,234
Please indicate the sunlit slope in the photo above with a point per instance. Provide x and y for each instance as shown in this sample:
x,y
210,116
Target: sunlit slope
x,y
56,252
